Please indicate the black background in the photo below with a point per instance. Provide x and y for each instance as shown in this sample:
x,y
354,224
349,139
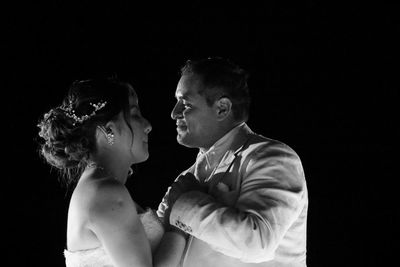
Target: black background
x,y
323,80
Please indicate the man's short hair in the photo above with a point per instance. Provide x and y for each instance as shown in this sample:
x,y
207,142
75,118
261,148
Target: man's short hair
x,y
222,78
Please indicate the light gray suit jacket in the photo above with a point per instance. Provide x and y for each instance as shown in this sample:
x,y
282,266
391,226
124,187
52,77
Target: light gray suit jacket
x,y
257,218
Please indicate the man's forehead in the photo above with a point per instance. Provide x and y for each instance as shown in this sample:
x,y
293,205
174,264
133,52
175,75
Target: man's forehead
x,y
188,87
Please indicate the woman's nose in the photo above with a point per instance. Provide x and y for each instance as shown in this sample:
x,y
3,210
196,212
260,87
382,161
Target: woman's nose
x,y
147,127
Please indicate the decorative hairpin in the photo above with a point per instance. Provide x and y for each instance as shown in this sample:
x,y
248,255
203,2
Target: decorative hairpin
x,y
70,112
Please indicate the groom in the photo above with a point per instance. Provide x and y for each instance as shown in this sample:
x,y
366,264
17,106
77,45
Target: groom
x,y
244,201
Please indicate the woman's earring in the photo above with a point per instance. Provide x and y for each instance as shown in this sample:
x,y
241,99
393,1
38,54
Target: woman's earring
x,y
110,138
109,135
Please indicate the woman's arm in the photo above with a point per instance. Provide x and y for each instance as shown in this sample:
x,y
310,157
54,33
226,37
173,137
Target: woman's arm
x,y
114,220
170,250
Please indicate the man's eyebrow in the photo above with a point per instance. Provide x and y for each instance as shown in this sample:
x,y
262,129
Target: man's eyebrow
x,y
184,96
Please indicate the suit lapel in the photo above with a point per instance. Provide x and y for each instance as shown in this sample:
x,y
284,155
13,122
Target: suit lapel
x,y
240,141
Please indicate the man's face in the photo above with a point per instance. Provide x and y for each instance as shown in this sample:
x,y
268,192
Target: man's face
x,y
197,124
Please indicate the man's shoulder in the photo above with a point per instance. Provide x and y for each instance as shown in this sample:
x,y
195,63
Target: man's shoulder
x,y
255,138
262,152
258,145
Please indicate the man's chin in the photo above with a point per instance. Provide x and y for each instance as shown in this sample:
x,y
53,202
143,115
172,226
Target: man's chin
x,y
182,140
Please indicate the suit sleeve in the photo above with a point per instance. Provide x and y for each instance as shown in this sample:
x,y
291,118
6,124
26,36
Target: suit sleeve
x,y
163,207
272,195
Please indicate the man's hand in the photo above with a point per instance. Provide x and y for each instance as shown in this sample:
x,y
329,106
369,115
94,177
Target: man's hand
x,y
184,183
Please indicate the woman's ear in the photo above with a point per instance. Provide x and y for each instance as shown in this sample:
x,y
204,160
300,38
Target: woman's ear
x,y
108,131
224,108
110,127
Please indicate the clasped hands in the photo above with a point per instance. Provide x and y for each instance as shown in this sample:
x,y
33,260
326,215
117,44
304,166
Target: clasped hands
x,y
183,184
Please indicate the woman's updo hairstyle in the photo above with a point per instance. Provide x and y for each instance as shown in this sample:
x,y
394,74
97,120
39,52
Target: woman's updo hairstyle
x,y
68,131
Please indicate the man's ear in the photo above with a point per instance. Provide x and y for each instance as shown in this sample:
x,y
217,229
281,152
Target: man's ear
x,y
224,108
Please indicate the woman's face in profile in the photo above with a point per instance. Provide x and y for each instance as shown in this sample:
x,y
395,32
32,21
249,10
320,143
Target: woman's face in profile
x,y
141,127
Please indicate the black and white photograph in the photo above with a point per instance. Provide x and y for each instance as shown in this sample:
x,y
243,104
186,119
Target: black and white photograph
x,y
199,133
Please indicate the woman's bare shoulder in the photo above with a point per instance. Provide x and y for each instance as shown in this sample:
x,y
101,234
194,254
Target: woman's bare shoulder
x,y
104,197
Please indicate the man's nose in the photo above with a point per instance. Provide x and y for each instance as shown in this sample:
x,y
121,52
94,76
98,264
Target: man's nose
x,y
176,111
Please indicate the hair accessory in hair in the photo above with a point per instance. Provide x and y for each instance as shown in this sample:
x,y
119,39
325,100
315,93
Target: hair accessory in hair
x,y
70,112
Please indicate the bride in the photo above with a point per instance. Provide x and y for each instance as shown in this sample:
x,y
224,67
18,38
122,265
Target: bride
x,y
93,138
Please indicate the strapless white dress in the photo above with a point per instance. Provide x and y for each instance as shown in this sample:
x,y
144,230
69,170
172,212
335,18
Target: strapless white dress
x,y
97,257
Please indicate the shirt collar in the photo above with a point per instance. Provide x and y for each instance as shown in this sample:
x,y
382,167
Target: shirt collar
x,y
215,152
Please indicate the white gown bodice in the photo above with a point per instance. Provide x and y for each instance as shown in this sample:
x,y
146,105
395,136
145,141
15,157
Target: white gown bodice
x,y
97,257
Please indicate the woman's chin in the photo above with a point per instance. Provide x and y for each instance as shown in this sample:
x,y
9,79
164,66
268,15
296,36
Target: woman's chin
x,y
143,158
